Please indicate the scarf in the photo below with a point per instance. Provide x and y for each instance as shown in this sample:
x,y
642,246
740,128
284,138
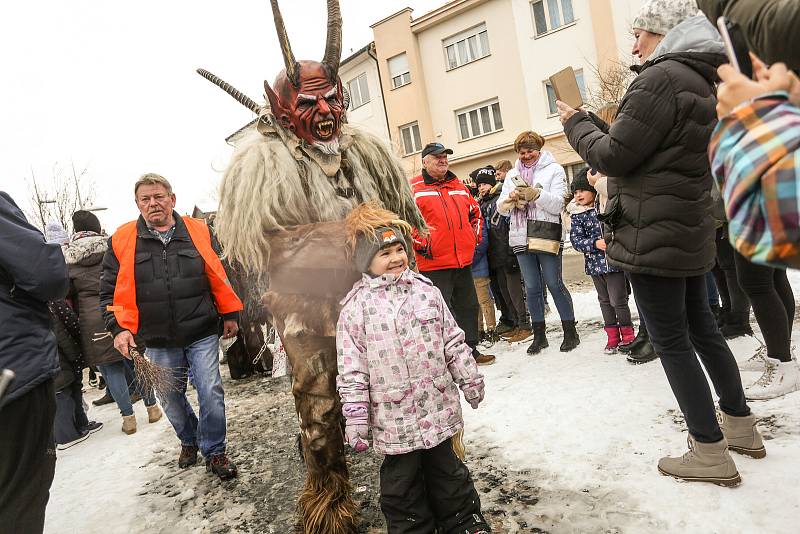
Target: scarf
x,y
521,216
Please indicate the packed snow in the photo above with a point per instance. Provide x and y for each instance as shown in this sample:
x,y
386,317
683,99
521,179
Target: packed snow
x,y
583,429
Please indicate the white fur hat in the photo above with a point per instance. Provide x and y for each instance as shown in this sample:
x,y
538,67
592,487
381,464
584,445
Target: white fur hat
x,y
660,16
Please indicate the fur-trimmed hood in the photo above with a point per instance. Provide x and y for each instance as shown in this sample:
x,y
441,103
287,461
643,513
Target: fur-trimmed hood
x,y
86,249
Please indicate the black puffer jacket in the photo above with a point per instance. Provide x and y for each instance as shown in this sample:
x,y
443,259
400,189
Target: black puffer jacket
x,y
84,256
172,292
658,217
499,254
32,272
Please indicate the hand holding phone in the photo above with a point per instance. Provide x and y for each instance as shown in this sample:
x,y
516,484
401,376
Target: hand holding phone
x,y
735,46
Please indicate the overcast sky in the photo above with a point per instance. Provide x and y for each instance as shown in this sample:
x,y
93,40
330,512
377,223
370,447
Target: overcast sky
x,y
111,86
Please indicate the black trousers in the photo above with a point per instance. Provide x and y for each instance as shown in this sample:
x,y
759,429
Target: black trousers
x,y
680,323
506,315
27,459
730,289
773,304
429,489
458,291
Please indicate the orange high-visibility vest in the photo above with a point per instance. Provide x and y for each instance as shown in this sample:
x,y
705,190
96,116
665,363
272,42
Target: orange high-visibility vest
x,y
123,242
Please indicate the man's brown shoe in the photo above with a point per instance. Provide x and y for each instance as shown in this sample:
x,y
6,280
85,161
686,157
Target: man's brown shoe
x,y
520,335
485,359
509,333
153,413
188,456
222,467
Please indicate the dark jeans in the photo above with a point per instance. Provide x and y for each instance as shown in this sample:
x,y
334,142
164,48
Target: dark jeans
x,y
730,289
711,289
773,304
458,291
70,418
429,489
506,316
612,293
680,323
510,287
27,459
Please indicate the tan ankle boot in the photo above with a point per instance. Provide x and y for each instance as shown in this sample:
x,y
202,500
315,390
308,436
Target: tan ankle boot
x,y
742,435
153,413
704,462
129,424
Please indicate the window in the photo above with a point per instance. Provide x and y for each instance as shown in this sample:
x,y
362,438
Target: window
x,y
411,139
551,94
572,170
479,120
551,14
466,47
359,91
398,71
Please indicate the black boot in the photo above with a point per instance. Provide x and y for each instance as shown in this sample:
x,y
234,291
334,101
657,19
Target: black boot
x,y
640,339
722,316
105,399
736,325
571,339
645,353
539,339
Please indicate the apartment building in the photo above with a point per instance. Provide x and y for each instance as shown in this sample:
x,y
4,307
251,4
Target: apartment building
x,y
360,77
472,74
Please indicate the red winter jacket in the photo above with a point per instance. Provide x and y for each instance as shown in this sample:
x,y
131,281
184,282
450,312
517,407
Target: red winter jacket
x,y
454,221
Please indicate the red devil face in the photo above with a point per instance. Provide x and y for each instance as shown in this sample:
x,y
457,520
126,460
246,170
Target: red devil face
x,y
312,109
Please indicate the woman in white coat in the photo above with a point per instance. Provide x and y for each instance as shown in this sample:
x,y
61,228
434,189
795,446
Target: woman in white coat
x,y
534,191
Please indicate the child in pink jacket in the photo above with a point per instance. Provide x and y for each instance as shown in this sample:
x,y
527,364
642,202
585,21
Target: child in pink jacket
x,y
401,361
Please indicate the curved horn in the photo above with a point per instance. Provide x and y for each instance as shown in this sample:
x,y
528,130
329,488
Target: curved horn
x,y
333,46
240,97
292,66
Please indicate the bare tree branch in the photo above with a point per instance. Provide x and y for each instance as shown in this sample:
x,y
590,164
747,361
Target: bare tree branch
x,y
612,83
59,197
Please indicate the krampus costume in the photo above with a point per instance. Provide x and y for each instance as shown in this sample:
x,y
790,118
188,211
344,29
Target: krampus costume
x,y
294,176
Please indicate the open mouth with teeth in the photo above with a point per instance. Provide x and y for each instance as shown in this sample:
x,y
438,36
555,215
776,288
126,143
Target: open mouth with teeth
x,y
324,129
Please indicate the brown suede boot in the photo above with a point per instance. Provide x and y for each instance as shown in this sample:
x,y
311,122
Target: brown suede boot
x,y
153,413
129,424
704,462
742,435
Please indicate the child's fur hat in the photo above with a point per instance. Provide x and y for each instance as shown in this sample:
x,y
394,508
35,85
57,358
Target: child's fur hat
x,y
371,228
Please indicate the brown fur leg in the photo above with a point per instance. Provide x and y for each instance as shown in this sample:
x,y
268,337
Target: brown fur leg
x,y
307,329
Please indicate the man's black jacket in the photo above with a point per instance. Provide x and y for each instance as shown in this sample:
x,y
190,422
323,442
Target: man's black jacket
x,y
173,295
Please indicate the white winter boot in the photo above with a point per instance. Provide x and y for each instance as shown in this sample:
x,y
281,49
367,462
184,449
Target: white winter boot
x,y
778,379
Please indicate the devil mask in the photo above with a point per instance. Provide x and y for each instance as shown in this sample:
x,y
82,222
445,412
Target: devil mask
x,y
306,97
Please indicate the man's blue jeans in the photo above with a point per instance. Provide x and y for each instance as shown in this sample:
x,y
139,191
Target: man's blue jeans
x,y
118,376
202,357
539,269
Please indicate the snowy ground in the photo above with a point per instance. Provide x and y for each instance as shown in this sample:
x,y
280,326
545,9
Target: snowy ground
x,y
562,443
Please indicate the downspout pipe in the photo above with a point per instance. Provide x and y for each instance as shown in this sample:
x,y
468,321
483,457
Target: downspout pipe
x,y
371,52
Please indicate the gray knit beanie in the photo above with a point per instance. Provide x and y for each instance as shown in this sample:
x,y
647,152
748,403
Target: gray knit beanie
x,y
660,16
54,233
369,245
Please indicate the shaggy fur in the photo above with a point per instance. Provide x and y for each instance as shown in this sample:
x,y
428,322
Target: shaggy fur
x,y
325,506
366,218
267,187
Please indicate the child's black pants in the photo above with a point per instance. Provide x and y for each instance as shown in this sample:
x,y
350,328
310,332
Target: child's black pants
x,y
429,489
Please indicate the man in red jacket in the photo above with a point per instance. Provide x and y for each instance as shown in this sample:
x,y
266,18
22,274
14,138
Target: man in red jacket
x,y
454,219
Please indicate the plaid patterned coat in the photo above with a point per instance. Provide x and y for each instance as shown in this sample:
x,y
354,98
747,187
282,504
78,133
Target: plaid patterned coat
x,y
755,160
400,350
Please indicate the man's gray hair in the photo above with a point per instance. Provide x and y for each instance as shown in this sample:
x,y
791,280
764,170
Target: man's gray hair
x,y
152,178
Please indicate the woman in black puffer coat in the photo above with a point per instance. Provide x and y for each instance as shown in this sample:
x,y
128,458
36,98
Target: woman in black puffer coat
x,y
659,226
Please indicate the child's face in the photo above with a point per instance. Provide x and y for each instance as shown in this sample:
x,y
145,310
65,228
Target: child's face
x,y
500,175
584,198
389,260
484,188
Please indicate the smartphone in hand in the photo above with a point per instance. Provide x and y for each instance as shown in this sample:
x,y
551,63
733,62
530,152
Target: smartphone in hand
x,y
736,46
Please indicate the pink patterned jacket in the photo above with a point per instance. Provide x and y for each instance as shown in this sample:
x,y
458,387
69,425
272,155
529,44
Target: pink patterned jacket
x,y
400,350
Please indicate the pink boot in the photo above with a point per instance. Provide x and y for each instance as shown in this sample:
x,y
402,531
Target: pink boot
x,y
613,339
628,335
